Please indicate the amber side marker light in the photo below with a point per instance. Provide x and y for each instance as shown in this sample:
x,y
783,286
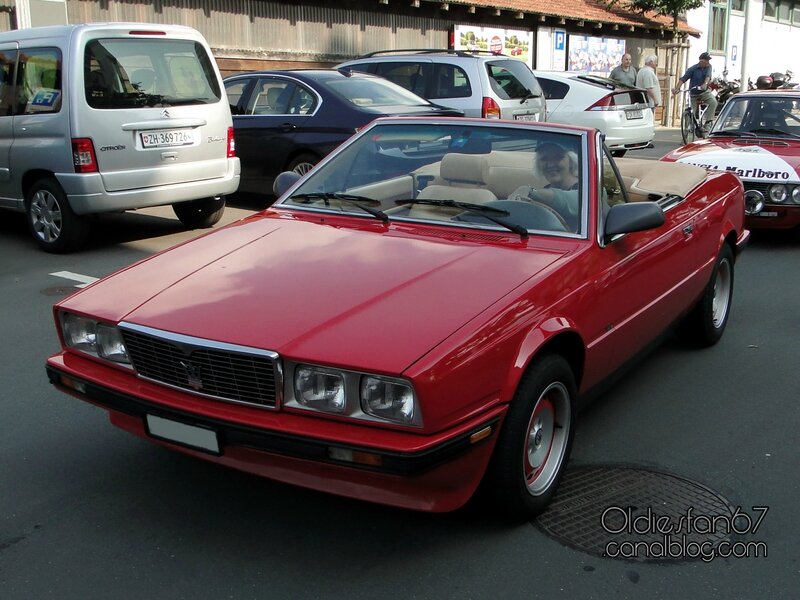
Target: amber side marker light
x,y
480,435
355,456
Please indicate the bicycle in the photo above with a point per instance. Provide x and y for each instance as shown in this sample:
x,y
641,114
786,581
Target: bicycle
x,y
693,125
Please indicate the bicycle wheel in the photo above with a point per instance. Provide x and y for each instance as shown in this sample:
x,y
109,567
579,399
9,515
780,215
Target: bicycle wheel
x,y
687,126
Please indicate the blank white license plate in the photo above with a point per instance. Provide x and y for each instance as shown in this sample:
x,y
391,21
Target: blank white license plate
x,y
767,214
167,137
525,117
633,114
198,438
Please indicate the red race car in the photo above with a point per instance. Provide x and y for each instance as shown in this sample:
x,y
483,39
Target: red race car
x,y
757,137
420,313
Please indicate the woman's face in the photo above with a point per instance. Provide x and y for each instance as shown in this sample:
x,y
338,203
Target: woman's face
x,y
555,168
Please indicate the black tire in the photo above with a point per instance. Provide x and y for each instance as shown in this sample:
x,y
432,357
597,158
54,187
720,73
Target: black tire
x,y
687,126
523,475
303,163
200,214
705,324
51,221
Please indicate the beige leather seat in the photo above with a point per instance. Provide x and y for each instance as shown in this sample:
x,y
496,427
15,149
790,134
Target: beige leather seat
x,y
462,177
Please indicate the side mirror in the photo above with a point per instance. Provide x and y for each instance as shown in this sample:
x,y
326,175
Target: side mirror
x,y
284,181
633,216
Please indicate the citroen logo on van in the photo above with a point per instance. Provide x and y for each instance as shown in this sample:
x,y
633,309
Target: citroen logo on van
x,y
165,114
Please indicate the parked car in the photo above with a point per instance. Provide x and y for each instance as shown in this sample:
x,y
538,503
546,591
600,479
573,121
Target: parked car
x,y
756,136
429,326
622,113
482,84
289,120
108,117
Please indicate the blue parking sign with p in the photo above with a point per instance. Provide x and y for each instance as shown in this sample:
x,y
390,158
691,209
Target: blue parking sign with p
x,y
560,37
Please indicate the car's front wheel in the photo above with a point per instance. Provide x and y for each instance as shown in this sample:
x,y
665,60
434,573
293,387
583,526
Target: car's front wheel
x,y
535,441
706,323
51,220
200,214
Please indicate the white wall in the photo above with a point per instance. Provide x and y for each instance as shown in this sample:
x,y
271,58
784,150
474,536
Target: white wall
x,y
772,46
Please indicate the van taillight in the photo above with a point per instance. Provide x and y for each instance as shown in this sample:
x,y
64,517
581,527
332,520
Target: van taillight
x,y
83,157
231,143
489,109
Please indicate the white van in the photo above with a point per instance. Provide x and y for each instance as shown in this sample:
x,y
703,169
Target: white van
x,y
110,117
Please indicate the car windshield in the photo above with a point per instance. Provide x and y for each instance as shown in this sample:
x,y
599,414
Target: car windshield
x,y
371,91
512,177
774,115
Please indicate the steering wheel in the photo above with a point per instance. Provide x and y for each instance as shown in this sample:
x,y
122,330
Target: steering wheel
x,y
532,214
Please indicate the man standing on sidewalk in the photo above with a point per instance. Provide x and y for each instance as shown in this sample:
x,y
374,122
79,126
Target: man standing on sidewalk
x,y
647,79
624,73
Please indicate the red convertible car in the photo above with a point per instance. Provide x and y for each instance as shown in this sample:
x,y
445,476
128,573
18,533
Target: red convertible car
x,y
418,315
757,136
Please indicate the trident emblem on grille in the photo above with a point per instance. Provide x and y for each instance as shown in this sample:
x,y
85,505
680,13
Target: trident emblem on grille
x,y
193,374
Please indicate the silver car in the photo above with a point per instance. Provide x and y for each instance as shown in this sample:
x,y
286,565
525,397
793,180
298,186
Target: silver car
x,y
622,113
482,84
110,117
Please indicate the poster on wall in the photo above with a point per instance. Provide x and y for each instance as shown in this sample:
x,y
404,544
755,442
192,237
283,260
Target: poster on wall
x,y
517,43
593,54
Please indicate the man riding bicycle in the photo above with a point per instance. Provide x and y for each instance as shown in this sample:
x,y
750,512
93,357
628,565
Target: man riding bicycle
x,y
699,76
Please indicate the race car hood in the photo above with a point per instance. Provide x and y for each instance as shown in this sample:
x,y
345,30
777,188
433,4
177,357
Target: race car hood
x,y
769,160
364,297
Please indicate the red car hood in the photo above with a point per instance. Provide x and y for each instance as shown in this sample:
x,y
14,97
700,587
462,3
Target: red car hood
x,y
324,293
769,160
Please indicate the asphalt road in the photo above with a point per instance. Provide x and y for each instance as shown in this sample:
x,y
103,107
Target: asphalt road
x,y
87,511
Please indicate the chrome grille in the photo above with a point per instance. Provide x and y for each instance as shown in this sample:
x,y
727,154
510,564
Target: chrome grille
x,y
203,367
757,185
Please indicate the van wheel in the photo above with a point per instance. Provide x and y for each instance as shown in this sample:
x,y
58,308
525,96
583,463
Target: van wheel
x,y
303,163
200,214
55,227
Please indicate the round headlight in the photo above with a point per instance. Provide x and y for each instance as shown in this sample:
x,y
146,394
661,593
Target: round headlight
x,y
753,202
796,194
778,193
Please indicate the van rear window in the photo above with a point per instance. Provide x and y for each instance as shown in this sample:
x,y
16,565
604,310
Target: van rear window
x,y
134,73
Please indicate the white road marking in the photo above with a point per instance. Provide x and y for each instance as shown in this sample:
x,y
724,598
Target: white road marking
x,y
83,280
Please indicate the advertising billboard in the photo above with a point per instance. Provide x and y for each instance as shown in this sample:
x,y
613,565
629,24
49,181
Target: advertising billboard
x,y
594,54
517,43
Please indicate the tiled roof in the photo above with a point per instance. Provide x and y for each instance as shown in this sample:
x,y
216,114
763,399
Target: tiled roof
x,y
591,11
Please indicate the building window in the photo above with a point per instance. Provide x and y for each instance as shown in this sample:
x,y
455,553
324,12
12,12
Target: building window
x,y
738,5
796,15
784,11
719,22
771,9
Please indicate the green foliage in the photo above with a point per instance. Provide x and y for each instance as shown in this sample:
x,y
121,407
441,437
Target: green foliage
x,y
669,8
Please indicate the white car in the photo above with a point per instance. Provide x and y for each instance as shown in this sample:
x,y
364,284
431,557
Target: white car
x,y
622,113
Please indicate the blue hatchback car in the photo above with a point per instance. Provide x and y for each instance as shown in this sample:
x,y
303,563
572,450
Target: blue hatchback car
x,y
289,120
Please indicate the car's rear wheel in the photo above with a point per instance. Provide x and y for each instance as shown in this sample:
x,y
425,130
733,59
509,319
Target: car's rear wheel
x,y
687,126
200,214
51,220
303,163
706,323
535,441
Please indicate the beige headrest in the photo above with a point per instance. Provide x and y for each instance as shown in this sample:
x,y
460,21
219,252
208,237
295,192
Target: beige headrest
x,y
465,168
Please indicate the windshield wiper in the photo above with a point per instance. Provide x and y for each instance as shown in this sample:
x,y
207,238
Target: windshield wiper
x,y
774,131
528,95
486,212
357,201
734,133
